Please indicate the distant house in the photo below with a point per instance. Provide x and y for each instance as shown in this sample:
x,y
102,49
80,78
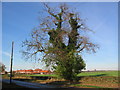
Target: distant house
x,y
37,71
30,71
23,71
20,71
45,72
3,72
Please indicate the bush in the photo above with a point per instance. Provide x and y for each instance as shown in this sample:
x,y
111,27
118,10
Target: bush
x,y
9,75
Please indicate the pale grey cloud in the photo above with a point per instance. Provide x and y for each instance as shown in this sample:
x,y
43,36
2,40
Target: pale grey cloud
x,y
5,53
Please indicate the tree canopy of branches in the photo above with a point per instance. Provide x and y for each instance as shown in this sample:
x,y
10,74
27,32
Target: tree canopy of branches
x,y
60,39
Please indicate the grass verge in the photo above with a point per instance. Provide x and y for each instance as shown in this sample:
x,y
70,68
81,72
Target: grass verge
x,y
78,85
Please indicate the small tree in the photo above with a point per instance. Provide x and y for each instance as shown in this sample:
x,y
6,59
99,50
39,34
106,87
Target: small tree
x,y
2,67
50,39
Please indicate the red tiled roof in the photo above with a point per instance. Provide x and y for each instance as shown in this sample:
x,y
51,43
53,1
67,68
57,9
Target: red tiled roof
x,y
33,71
44,71
38,70
28,70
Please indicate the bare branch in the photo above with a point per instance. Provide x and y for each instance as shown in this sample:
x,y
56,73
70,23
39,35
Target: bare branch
x,y
49,11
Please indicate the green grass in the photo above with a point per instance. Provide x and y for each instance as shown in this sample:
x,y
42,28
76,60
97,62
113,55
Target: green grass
x,y
87,86
100,73
97,73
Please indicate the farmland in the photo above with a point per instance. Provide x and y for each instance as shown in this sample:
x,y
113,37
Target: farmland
x,y
100,73
97,79
97,73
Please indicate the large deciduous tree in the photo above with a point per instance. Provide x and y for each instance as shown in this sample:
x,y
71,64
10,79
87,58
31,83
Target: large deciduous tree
x,y
60,39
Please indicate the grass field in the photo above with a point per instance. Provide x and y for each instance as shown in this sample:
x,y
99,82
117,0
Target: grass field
x,y
97,73
100,73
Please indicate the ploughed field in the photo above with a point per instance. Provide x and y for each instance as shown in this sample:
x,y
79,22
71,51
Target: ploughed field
x,y
96,79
